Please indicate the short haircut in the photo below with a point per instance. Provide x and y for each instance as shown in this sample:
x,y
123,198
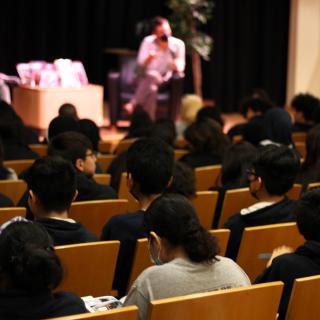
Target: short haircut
x,y
62,124
165,130
53,180
27,258
68,110
172,216
70,146
307,104
307,211
256,104
277,167
150,162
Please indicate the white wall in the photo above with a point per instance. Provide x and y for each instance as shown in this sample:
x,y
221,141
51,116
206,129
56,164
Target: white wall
x,y
304,48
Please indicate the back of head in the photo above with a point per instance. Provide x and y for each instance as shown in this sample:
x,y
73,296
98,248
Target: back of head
x,y
150,162
53,181
157,21
237,160
27,258
255,104
91,131
68,110
165,130
70,146
307,104
183,181
277,167
140,124
190,105
278,126
62,124
173,218
307,211
206,136
212,113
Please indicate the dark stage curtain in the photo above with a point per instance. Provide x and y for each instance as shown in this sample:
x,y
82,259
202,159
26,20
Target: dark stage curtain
x,y
250,40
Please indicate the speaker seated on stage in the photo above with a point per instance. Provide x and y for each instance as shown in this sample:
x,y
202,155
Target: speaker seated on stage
x,y
159,65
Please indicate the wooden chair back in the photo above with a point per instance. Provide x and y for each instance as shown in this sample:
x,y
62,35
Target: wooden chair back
x,y
125,313
40,149
89,267
235,200
9,213
181,143
102,178
222,235
301,147
259,301
303,301
105,147
237,138
124,193
105,161
14,189
295,191
313,185
18,165
124,145
205,204
95,214
207,177
141,260
179,153
258,243
299,137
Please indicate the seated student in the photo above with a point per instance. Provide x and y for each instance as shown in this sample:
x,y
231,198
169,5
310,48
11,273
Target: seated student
x,y
149,168
68,110
62,124
91,131
213,113
207,143
304,107
165,130
272,175
77,148
30,270
52,187
285,264
185,256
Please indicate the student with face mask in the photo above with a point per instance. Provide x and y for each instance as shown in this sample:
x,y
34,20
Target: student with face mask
x,y
185,254
272,175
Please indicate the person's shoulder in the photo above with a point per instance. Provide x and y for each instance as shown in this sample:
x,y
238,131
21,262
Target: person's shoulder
x,y
177,41
149,39
235,219
70,302
228,266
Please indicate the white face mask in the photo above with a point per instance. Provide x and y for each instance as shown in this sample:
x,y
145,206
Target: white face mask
x,y
155,260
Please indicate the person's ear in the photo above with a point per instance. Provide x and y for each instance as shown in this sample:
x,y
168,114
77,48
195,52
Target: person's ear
x,y
79,164
75,195
32,196
170,182
155,239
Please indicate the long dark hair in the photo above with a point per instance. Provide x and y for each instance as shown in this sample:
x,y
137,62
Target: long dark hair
x,y
173,217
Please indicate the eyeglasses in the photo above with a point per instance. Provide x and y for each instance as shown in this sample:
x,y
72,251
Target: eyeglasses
x,y
251,175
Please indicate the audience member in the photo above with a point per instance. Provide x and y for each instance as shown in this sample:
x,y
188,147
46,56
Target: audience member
x,y
304,107
287,265
62,124
184,254
210,113
68,110
207,143
91,131
165,130
52,187
272,175
149,171
30,270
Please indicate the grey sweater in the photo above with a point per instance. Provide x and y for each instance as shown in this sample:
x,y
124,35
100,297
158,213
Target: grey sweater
x,y
181,277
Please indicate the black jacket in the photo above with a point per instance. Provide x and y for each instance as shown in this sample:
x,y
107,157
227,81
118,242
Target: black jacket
x,y
65,232
304,262
126,228
18,304
276,213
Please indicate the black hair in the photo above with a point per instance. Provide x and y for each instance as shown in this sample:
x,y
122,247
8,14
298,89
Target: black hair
x,y
91,131
277,167
70,146
307,211
140,124
27,258
256,103
157,21
173,217
237,160
150,162
68,110
213,113
62,124
307,104
206,136
53,180
183,180
165,130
